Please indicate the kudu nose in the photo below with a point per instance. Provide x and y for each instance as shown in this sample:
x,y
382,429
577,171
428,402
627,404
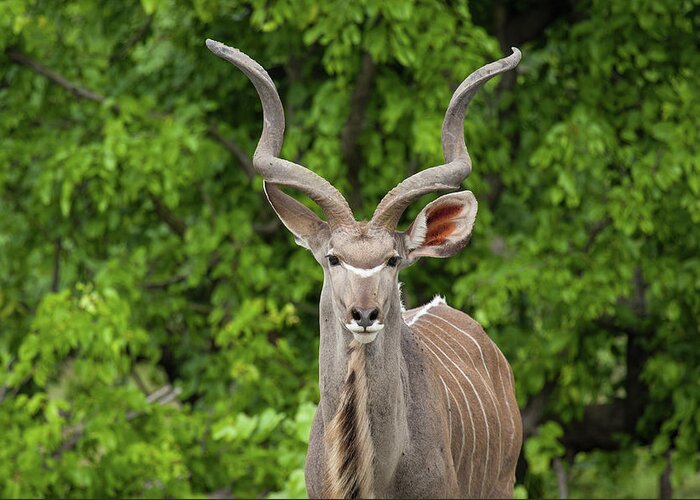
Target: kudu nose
x,y
365,317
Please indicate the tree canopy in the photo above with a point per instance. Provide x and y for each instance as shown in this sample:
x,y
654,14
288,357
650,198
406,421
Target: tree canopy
x,y
158,326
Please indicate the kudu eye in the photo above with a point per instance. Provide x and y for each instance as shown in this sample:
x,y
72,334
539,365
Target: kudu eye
x,y
393,261
333,260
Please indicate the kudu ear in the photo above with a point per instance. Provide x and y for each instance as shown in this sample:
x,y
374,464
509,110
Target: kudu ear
x,y
443,227
308,229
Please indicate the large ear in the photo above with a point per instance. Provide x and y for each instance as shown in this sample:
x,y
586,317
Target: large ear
x,y
443,227
308,229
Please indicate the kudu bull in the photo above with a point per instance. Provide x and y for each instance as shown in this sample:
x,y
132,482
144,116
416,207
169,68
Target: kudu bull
x,y
416,403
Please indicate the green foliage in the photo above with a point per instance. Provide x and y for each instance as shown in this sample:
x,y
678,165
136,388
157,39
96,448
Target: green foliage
x,y
542,448
158,331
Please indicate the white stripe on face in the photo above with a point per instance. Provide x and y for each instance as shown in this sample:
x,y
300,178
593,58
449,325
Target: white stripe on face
x,y
364,273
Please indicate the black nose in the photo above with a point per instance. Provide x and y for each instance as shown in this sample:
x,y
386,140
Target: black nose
x,y
365,317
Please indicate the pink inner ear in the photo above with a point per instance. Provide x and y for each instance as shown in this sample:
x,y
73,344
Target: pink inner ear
x,y
443,214
440,225
438,233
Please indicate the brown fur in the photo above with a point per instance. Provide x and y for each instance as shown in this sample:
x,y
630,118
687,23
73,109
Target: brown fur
x,y
485,455
443,213
437,234
348,438
441,225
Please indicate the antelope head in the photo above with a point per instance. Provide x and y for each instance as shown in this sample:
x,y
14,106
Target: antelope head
x,y
361,260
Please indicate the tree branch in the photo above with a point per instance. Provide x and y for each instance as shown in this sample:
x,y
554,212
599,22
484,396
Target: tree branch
x,y
154,285
161,396
535,409
55,278
21,58
598,429
637,391
261,228
79,91
132,40
665,485
596,229
199,308
266,228
352,156
562,479
514,29
220,494
3,389
139,381
234,149
608,323
177,225
294,75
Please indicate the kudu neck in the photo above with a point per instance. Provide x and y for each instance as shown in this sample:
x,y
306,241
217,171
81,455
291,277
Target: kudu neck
x,y
386,382
383,357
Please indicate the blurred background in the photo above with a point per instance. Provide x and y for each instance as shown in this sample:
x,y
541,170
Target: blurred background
x,y
159,327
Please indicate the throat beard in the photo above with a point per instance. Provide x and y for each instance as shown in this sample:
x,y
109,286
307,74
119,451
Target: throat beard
x,y
348,441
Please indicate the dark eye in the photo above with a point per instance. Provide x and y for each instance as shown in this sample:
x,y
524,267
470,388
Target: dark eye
x,y
393,261
333,260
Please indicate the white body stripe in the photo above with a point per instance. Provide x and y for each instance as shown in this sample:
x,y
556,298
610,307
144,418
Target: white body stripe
x,y
462,349
503,388
469,337
449,407
486,385
483,412
471,418
437,300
